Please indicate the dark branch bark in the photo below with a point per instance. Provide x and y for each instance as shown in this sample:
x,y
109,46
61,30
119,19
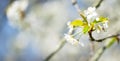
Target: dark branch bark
x,y
99,3
100,40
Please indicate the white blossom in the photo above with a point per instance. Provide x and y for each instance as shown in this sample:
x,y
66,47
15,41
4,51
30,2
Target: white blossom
x,y
98,24
71,40
70,27
91,14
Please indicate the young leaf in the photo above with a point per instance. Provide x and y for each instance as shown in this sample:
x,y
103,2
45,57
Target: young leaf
x,y
103,19
76,23
86,29
95,21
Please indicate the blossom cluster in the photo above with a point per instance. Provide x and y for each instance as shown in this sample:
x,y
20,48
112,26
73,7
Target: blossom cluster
x,y
90,21
92,17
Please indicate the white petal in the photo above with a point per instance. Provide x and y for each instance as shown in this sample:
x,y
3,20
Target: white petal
x,y
91,9
70,30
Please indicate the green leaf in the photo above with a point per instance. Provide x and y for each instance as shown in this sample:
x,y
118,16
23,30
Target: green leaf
x,y
95,21
86,29
76,23
101,19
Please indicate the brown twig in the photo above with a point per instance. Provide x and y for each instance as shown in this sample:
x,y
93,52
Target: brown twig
x,y
90,35
100,40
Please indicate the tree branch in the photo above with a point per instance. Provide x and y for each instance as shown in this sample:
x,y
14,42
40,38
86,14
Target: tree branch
x,y
100,40
63,42
90,35
99,3
74,3
99,53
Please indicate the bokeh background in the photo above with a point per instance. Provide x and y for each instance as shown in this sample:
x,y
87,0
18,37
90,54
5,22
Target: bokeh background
x,y
47,24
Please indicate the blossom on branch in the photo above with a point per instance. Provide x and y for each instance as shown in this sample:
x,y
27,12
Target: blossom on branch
x,y
90,21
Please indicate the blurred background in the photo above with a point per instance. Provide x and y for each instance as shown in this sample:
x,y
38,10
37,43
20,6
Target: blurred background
x,y
32,29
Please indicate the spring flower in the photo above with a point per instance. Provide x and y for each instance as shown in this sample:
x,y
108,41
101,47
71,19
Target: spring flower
x,y
70,39
92,17
70,27
90,21
91,14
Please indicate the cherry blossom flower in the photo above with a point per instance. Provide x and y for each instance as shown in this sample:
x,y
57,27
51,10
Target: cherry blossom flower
x,y
91,14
